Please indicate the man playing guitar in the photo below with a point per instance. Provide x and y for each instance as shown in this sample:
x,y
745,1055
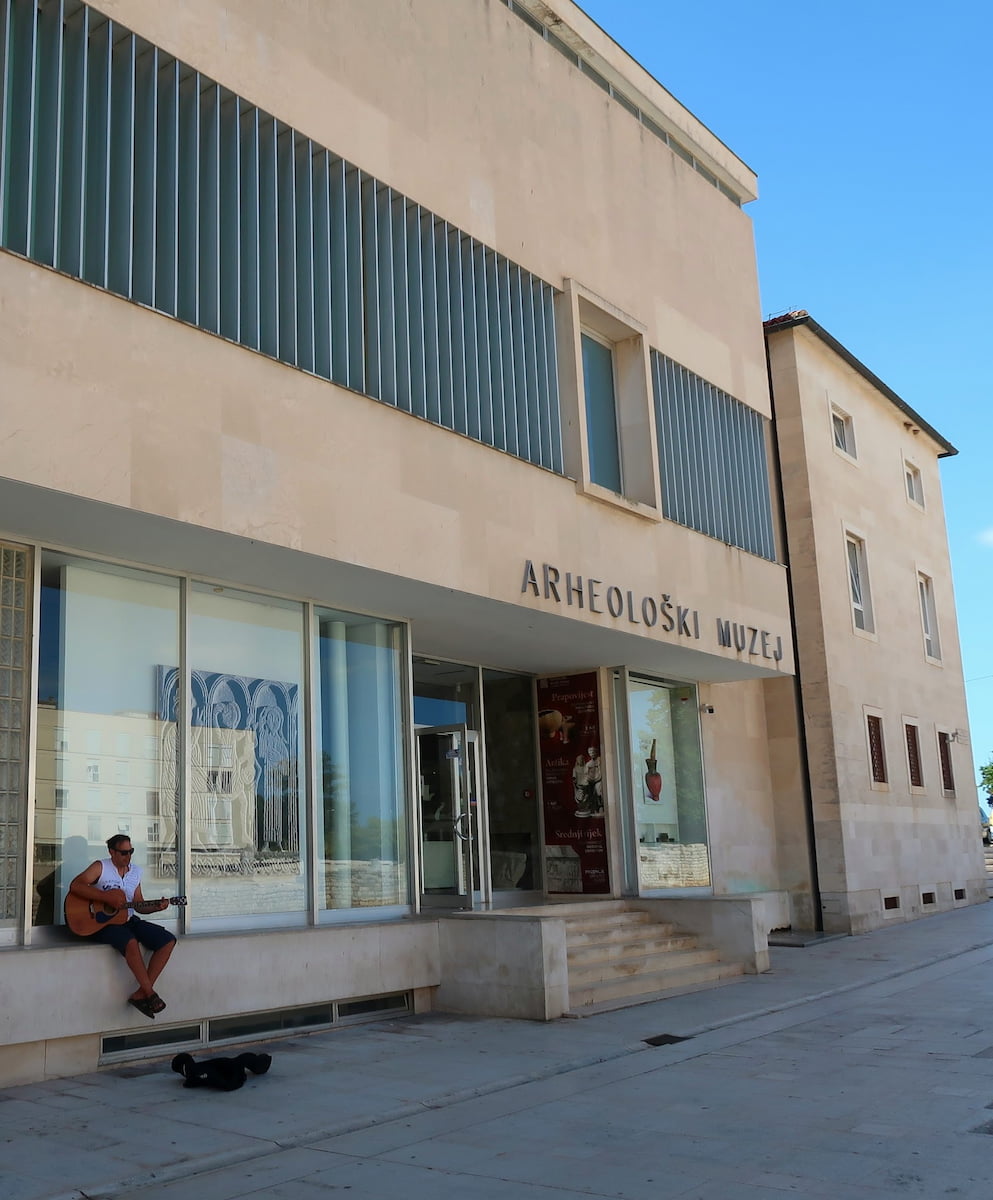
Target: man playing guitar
x,y
116,881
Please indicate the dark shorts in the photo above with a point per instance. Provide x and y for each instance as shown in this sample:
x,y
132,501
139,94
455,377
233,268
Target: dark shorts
x,y
149,935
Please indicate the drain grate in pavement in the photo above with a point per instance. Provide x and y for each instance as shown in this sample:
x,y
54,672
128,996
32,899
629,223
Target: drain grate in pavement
x,y
664,1039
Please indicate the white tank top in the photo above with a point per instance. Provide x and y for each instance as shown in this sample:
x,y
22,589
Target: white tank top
x,y
111,878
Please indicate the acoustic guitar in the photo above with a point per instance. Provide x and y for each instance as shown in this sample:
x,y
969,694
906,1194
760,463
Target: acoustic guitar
x,y
87,916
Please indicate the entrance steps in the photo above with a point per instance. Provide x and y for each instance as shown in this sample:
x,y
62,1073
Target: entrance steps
x,y
620,955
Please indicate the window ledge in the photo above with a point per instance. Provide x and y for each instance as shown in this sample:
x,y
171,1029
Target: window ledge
x,y
597,492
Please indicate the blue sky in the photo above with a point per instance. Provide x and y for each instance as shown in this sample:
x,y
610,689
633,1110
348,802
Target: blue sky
x,y
869,125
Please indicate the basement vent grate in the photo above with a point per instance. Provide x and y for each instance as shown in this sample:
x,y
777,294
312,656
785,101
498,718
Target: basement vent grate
x,y
960,893
927,898
891,902
664,1039
249,1027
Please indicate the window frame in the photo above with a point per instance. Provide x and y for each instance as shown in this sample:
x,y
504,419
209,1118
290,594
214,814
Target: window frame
x,y
946,767
873,724
846,445
581,313
929,616
595,451
913,484
863,604
912,726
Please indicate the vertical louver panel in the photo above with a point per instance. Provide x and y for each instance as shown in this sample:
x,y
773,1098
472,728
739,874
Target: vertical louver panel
x,y
712,460
125,167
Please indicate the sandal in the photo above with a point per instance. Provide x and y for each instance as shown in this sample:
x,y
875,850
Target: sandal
x,y
156,1003
144,1005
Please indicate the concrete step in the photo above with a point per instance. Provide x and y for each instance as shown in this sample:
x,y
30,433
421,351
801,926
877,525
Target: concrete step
x,y
618,931
638,966
686,978
603,922
570,908
622,944
604,1006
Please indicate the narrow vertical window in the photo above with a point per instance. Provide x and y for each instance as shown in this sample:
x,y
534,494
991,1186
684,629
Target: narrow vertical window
x,y
15,655
915,485
844,432
945,758
877,757
601,414
858,581
914,768
929,620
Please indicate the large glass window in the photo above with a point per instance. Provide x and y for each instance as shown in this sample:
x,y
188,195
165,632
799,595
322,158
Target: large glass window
x,y
106,748
667,778
362,847
109,747
247,825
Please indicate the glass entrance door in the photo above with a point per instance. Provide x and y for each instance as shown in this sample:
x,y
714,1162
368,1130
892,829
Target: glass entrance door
x,y
448,779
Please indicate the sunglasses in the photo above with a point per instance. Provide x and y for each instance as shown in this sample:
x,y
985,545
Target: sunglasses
x,y
131,851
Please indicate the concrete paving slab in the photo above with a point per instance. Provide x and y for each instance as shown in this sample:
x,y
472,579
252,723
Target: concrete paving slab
x,y
820,1075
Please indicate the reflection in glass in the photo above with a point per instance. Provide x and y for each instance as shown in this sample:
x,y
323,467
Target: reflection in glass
x,y
362,819
510,781
246,745
106,753
667,779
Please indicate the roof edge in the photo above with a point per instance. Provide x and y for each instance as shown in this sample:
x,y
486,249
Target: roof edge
x,y
800,316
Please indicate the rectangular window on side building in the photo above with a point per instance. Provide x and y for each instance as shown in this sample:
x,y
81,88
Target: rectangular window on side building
x,y
858,582
945,759
915,485
844,432
877,756
929,619
914,767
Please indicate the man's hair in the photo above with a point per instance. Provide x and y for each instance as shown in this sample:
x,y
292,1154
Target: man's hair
x,y
117,840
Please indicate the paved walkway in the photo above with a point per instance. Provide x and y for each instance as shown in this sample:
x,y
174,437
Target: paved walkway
x,y
856,1068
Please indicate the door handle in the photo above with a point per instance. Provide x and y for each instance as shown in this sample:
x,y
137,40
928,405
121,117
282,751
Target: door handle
x,y
460,833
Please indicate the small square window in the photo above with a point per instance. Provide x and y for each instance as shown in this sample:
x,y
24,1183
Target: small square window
x,y
915,485
844,432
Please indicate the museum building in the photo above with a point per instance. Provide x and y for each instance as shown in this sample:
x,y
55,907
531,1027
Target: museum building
x,y
391,543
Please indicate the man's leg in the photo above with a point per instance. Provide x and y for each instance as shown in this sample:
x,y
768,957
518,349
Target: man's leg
x,y
157,962
136,962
